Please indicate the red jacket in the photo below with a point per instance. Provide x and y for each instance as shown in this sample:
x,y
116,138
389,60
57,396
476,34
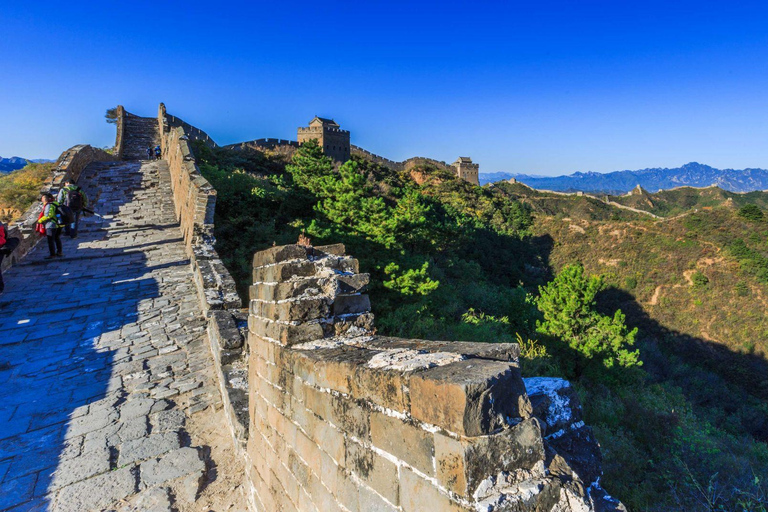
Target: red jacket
x,y
3,235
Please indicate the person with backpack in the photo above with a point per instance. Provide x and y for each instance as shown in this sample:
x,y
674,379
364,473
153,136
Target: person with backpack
x,y
74,197
54,218
150,153
7,245
158,153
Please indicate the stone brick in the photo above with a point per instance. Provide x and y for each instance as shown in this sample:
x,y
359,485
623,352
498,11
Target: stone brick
x,y
405,441
355,283
331,368
335,249
279,254
495,351
387,388
373,469
293,311
419,495
350,304
283,271
463,463
471,398
286,334
351,417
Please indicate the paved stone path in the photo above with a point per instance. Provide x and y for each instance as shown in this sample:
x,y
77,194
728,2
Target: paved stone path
x,y
104,362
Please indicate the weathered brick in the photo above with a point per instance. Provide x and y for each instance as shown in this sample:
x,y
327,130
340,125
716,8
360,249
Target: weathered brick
x,y
350,304
373,469
292,311
351,417
405,441
279,254
283,271
286,334
336,249
355,283
388,388
419,495
471,397
463,463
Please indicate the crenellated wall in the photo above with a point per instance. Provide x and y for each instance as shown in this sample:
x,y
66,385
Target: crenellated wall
x,y
68,166
342,419
405,165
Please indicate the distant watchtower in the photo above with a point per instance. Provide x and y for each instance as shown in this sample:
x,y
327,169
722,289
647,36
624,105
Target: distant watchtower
x,y
466,170
333,140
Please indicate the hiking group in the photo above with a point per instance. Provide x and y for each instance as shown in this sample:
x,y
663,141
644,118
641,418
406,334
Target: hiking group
x,y
61,213
154,153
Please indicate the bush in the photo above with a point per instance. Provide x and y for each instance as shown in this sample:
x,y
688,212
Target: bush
x,y
699,279
751,212
568,305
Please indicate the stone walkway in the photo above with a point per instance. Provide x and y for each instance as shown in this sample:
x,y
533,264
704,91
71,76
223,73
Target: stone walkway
x,y
108,396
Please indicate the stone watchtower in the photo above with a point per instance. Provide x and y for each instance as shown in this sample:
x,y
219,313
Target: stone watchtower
x,y
333,140
467,170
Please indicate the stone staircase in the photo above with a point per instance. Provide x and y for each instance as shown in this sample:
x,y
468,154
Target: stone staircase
x,y
140,133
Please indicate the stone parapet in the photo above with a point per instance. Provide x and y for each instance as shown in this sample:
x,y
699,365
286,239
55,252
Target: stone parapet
x,y
195,203
341,418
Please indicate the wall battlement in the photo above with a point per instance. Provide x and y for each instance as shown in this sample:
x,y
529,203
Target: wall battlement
x,y
347,420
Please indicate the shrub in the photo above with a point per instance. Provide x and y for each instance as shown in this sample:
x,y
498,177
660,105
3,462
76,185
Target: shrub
x,y
751,212
568,305
699,279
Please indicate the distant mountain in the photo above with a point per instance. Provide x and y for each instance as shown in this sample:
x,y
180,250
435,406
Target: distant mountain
x,y
12,164
619,182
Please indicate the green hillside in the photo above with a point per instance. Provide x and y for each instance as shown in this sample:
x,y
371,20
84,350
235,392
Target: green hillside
x,y
19,189
686,430
677,201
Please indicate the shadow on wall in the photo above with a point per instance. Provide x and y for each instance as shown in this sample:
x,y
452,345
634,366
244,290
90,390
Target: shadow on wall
x,y
60,324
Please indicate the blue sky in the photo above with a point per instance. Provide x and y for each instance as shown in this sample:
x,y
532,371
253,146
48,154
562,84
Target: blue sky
x,y
538,87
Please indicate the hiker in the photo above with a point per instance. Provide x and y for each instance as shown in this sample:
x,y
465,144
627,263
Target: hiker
x,y
150,153
53,226
158,153
74,197
7,245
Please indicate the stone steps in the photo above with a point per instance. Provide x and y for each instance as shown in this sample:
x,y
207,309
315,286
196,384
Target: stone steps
x,y
139,134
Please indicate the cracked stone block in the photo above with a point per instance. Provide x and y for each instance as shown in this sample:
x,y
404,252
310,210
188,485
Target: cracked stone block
x,y
77,469
152,445
172,465
166,421
157,499
98,492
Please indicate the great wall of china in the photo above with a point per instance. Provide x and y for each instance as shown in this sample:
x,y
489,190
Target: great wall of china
x,y
153,388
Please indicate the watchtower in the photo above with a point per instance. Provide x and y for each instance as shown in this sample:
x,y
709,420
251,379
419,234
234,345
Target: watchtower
x,y
330,137
467,170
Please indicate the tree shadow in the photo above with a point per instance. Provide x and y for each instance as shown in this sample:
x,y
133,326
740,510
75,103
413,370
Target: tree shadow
x,y
731,385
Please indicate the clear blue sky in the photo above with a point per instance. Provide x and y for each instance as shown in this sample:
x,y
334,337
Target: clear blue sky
x,y
539,87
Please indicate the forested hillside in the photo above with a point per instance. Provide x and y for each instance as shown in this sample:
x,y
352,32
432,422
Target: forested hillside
x,y
678,405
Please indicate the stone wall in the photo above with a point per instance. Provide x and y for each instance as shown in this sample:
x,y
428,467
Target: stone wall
x,y
405,165
68,166
195,202
191,132
341,419
119,132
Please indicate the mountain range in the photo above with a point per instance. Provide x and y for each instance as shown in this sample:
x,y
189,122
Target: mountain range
x,y
691,174
16,162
